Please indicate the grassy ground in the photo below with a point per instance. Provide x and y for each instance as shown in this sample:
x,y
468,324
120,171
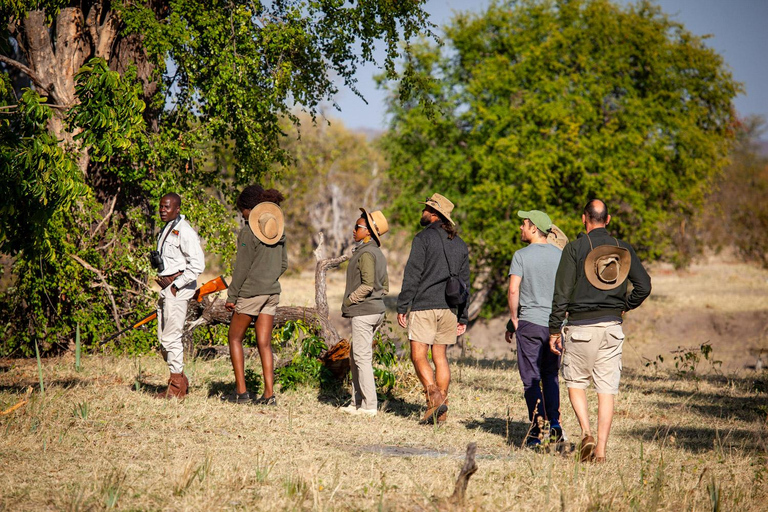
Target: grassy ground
x,y
93,441
96,439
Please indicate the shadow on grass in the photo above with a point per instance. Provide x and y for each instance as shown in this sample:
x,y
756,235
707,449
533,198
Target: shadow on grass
x,y
701,439
487,364
742,408
401,408
513,431
21,387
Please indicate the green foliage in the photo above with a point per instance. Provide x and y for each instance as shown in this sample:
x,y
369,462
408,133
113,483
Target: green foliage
x,y
40,179
300,340
546,104
385,359
238,67
108,117
687,360
83,181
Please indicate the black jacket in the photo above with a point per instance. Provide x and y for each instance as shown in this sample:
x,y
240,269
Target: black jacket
x,y
575,295
427,271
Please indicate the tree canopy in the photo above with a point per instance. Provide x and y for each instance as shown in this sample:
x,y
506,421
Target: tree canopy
x,y
107,105
546,104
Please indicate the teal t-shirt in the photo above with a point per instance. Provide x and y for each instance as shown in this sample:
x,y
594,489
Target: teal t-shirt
x,y
536,265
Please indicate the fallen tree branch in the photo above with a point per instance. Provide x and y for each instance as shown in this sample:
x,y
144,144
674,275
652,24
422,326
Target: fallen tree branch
x,y
469,469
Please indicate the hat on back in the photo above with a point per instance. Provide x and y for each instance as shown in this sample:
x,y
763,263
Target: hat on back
x,y
607,266
267,222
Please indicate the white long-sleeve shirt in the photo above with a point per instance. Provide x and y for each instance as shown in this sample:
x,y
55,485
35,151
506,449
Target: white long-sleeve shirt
x,y
181,252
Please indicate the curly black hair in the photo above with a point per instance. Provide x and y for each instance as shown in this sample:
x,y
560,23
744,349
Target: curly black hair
x,y
255,194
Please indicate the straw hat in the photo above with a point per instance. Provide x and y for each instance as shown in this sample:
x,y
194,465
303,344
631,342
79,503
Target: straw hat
x,y
441,204
378,222
556,237
267,222
607,266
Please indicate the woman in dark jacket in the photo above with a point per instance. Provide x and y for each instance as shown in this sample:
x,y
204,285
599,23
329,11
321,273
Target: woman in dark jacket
x,y
255,291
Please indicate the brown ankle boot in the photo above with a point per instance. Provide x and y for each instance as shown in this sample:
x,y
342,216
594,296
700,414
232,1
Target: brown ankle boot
x,y
435,405
444,416
177,387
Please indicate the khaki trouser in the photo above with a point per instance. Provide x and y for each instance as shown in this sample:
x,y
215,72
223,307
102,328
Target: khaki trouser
x,y
171,315
361,360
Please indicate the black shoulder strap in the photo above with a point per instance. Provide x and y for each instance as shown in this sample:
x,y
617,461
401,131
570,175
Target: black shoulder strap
x,y
442,241
165,237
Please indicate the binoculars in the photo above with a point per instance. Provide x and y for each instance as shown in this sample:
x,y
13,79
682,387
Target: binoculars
x,y
156,261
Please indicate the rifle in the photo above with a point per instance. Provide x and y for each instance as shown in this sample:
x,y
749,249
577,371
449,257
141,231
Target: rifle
x,y
212,286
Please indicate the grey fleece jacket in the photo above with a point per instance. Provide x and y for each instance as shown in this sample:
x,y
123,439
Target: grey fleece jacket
x,y
426,272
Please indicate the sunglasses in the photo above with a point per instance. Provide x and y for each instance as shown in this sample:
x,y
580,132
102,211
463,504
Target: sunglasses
x,y
360,226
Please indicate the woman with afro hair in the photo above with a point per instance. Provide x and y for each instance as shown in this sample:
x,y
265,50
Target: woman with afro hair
x,y
255,290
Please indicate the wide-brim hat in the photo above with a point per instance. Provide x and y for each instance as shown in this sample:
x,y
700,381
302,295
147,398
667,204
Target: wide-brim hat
x,y
378,223
607,266
440,204
267,222
556,237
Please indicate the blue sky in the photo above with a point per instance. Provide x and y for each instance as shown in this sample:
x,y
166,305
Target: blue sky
x,y
738,29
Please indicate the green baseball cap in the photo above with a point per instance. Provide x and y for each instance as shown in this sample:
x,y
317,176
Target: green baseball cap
x,y
539,219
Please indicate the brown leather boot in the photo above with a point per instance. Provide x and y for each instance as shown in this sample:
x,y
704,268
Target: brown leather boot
x,y
444,416
435,405
177,387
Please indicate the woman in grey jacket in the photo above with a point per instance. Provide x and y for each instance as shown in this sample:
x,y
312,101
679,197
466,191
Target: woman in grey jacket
x,y
255,291
367,284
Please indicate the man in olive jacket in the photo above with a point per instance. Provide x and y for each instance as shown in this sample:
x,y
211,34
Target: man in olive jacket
x,y
593,337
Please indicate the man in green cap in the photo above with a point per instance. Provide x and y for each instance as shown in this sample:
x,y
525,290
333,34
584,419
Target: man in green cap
x,y
531,286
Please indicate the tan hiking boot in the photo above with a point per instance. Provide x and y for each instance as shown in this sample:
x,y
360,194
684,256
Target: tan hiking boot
x,y
435,405
443,417
177,387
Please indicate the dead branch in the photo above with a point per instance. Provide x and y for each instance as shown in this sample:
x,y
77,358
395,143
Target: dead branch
x,y
469,469
24,69
105,285
107,216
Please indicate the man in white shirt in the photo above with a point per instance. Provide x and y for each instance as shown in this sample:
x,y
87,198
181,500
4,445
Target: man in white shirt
x,y
182,262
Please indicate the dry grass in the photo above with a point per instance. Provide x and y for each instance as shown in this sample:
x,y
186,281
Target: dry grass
x,y
93,441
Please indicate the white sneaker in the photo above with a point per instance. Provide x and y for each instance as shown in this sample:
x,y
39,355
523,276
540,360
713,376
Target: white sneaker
x,y
350,409
366,412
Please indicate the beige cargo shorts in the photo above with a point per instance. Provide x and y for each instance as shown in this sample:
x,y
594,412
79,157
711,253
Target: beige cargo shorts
x,y
593,352
432,326
254,306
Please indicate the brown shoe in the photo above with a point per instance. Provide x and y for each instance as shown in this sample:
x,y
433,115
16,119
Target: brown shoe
x,y
599,460
435,405
443,417
177,387
587,449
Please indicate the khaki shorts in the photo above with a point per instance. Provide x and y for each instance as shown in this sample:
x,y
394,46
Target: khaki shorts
x,y
593,352
254,306
432,326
